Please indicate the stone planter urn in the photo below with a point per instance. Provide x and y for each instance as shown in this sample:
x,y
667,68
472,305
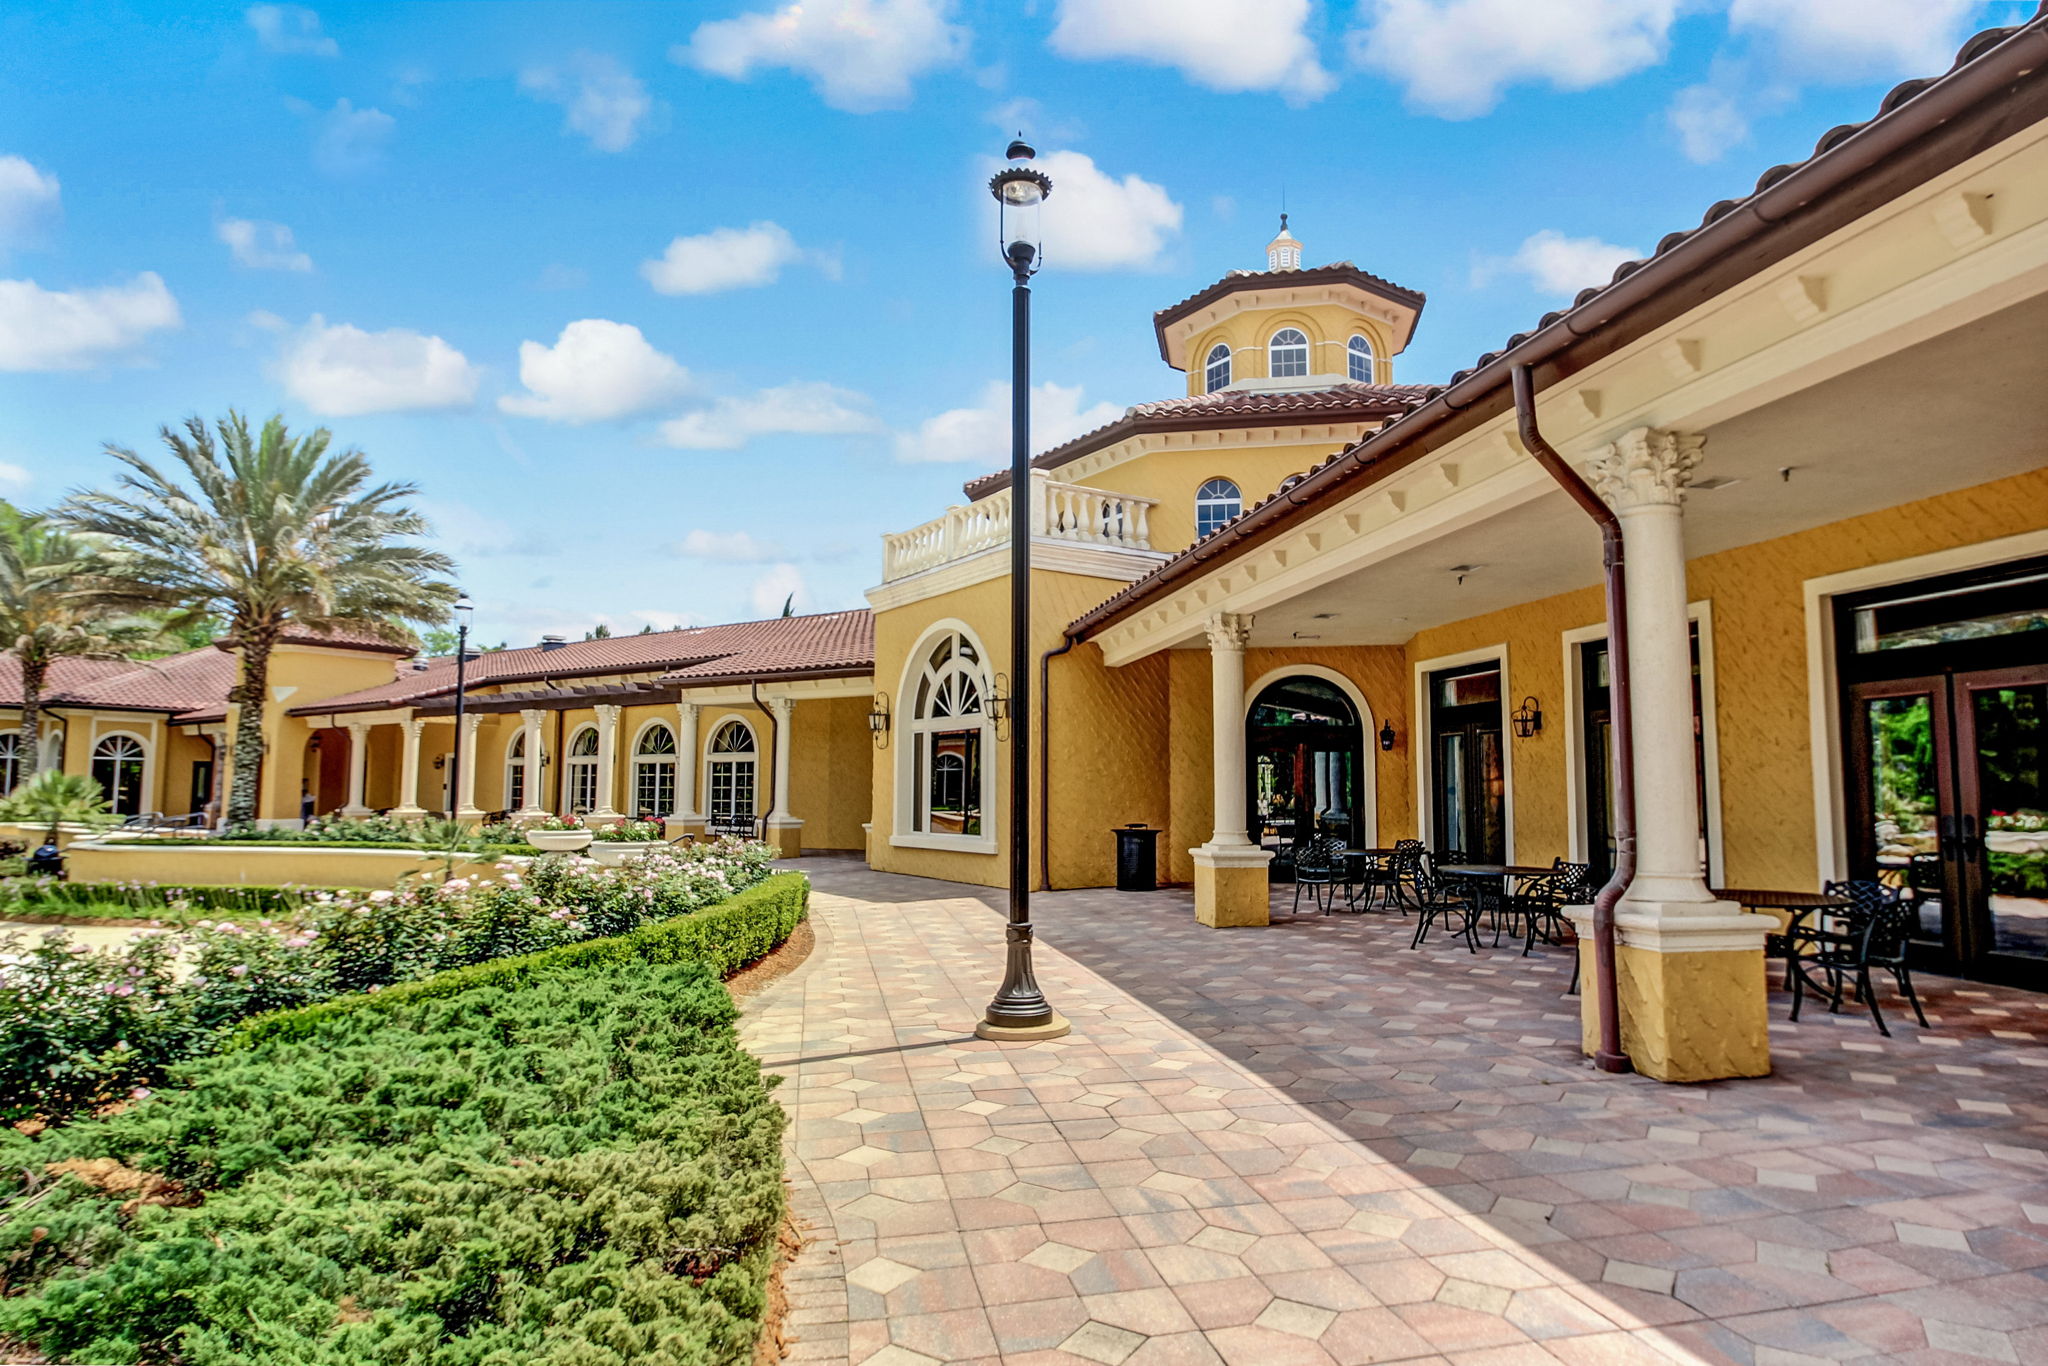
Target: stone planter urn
x,y
558,841
612,853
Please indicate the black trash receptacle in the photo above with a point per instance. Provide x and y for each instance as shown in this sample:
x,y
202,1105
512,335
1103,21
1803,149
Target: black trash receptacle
x,y
1137,858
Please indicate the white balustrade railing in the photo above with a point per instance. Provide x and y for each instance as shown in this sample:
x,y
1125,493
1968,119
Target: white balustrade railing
x,y
1060,512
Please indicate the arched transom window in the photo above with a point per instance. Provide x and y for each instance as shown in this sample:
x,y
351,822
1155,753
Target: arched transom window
x,y
580,772
117,768
1358,360
950,737
515,771
654,772
729,762
1216,369
1287,354
1216,502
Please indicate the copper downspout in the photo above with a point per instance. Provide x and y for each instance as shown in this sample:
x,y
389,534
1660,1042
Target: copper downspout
x,y
1609,1057
1045,760
761,824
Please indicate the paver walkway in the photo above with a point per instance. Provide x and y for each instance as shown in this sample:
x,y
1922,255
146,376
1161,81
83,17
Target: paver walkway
x,y
1308,1144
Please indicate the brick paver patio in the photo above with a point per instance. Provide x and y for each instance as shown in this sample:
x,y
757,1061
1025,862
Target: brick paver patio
x,y
1308,1144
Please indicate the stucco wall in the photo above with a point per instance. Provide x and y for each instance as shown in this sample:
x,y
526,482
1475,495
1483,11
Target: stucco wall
x,y
1171,478
1328,328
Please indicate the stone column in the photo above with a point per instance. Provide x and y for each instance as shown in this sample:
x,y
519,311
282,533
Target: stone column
x,y
358,769
466,808
1230,871
785,832
409,771
529,728
686,818
1690,968
607,763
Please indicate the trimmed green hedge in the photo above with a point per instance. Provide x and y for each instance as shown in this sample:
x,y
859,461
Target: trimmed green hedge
x,y
225,842
725,937
46,898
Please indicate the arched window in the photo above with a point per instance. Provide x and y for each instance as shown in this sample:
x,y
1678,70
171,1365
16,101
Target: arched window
x,y
729,761
951,732
117,768
1216,502
1287,354
515,772
1358,358
1216,369
580,772
10,761
654,772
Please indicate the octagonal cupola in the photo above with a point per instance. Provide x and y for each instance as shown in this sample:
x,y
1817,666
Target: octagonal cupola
x,y
1283,252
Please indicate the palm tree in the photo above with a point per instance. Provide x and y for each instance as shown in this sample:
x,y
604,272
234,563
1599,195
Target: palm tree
x,y
51,609
55,799
265,531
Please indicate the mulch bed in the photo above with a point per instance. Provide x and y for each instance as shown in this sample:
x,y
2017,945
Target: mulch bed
x,y
763,973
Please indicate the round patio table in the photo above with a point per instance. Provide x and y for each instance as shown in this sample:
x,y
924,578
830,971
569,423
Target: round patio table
x,y
1797,906
1351,897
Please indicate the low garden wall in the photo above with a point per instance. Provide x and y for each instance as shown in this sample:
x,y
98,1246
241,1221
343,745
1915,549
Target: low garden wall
x,y
189,862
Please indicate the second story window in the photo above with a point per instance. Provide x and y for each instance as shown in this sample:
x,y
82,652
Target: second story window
x,y
1216,370
1287,356
1359,358
1216,502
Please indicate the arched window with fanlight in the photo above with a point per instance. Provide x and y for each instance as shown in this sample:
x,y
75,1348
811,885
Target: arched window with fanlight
x,y
1287,354
1358,359
654,772
10,761
1216,369
944,795
729,762
515,771
1216,502
117,763
579,775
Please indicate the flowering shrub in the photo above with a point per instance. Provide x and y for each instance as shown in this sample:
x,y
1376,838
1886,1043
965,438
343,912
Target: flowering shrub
x,y
632,832
557,823
2027,821
79,1027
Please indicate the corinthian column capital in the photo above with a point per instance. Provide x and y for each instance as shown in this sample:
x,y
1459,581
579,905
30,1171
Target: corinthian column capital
x,y
1229,631
1647,468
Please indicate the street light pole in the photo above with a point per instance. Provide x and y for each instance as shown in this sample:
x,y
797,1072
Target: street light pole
x,y
463,610
1020,1010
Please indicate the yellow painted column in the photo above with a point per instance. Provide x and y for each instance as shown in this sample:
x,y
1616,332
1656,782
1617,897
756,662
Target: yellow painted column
x,y
1230,871
785,831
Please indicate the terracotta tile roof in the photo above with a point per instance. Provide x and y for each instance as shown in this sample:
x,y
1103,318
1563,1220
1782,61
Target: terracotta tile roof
x,y
780,645
175,683
1337,272
1224,408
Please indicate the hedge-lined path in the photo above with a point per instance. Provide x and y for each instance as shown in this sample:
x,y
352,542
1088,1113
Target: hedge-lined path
x,y
1308,1144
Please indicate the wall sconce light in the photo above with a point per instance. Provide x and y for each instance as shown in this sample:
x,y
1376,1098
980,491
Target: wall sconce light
x,y
1387,736
440,761
878,720
1528,718
999,704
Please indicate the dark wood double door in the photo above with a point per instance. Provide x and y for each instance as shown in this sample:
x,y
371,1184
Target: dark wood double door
x,y
1304,744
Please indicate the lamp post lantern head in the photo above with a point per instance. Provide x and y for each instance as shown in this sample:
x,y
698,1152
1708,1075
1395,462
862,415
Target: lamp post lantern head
x,y
1020,191
464,611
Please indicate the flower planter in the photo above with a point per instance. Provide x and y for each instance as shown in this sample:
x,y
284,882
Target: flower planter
x,y
558,841
612,853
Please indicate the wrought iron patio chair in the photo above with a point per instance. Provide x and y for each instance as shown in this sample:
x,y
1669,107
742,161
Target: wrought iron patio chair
x,y
1879,928
1404,869
1538,905
1445,899
1318,866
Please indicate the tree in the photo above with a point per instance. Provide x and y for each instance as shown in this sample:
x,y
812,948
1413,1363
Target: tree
x,y
52,608
267,531
789,605
53,799
440,640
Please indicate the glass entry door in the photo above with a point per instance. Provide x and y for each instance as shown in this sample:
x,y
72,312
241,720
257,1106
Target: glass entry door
x,y
1468,776
1305,744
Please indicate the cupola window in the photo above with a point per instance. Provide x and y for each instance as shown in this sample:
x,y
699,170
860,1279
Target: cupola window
x,y
1216,503
1359,359
1287,354
1216,370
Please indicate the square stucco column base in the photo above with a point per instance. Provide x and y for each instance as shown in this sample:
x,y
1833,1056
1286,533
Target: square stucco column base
x,y
787,837
1231,886
1691,987
675,827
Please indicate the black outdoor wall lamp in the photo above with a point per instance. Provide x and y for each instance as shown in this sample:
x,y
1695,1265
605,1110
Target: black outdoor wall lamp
x,y
1528,718
999,704
1387,736
878,720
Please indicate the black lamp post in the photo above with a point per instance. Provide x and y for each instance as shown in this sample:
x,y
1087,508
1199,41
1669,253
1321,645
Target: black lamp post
x,y
1020,1010
463,610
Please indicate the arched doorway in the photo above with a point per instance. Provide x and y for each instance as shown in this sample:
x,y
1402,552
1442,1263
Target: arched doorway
x,y
1305,751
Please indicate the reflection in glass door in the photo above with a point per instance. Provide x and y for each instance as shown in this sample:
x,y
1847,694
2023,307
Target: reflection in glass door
x,y
1305,744
1468,778
2003,834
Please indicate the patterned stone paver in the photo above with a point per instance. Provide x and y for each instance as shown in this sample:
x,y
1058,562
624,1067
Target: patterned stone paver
x,y
1308,1144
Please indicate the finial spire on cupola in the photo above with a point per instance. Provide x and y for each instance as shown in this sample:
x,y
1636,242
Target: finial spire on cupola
x,y
1283,252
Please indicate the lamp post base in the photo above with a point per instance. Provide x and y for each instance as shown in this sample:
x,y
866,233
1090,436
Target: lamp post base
x,y
1054,1028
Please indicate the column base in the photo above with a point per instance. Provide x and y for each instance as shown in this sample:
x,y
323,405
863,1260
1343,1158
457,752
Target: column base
x,y
1057,1027
355,812
408,812
604,816
527,815
470,815
786,835
1231,886
1690,982
682,823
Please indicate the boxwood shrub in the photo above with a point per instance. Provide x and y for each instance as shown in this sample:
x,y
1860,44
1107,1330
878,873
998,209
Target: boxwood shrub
x,y
42,898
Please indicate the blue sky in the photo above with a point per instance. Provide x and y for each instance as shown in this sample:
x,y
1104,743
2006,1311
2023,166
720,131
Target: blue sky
x,y
671,310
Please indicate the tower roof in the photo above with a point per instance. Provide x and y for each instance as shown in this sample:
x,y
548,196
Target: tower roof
x,y
1284,251
1340,282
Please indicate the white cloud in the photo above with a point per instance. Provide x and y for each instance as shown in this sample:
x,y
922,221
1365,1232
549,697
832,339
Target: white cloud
x,y
339,370
1094,221
1222,44
1556,264
28,200
732,547
595,371
981,434
800,408
1856,39
779,584
1713,117
605,102
860,54
1456,57
728,258
290,28
351,140
262,245
48,329
14,478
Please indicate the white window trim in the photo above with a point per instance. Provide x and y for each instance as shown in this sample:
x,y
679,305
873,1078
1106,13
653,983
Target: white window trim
x,y
1710,742
1306,347
101,737
515,764
901,835
1368,763
1372,358
1823,696
1199,500
1422,746
571,761
730,758
635,759
1229,368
